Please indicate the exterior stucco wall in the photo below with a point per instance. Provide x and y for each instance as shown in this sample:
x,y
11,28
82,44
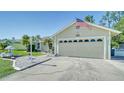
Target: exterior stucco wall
x,y
84,32
44,48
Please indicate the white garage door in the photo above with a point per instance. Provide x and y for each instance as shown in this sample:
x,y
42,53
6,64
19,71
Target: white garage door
x,y
89,48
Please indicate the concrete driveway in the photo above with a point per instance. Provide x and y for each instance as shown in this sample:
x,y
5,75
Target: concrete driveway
x,y
71,69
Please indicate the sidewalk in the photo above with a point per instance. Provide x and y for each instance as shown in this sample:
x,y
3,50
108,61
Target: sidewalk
x,y
22,63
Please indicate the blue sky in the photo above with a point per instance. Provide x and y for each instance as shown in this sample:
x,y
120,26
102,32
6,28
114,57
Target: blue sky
x,y
16,24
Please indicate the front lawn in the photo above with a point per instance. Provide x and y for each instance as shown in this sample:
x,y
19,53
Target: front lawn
x,y
20,52
6,68
23,53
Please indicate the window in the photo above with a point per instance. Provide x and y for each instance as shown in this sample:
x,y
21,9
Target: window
x,y
75,41
99,40
60,41
70,41
38,45
65,41
86,40
92,40
80,40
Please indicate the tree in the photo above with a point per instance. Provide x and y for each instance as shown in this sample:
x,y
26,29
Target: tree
x,y
36,38
119,26
119,15
114,44
114,19
48,41
2,45
111,18
102,23
89,18
106,19
8,42
33,38
26,40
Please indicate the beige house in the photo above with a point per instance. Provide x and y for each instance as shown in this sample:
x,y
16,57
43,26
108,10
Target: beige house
x,y
91,41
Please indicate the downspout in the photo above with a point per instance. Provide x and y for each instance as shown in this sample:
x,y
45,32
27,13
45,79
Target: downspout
x,y
109,46
55,46
105,46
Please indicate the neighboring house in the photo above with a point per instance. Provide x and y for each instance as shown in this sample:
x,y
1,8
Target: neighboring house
x,y
84,39
44,46
121,46
118,51
38,45
19,46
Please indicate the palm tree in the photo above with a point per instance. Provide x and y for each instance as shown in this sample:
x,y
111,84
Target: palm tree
x,y
36,38
89,18
26,40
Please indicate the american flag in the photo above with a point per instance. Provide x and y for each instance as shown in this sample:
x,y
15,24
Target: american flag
x,y
81,23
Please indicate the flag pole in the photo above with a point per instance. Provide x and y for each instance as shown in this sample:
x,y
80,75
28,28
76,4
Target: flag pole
x,y
31,48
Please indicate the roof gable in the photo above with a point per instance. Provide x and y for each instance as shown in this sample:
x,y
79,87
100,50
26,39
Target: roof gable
x,y
91,24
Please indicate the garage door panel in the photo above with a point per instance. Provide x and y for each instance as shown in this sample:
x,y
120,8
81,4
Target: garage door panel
x,y
82,49
92,49
66,49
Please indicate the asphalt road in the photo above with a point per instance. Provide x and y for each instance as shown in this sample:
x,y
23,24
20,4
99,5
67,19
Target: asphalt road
x,y
72,69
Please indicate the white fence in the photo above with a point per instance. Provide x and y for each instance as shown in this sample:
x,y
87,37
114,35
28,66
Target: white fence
x,y
119,52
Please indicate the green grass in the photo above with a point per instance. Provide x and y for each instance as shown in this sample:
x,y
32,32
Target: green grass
x,y
5,68
20,52
37,53
3,51
23,53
